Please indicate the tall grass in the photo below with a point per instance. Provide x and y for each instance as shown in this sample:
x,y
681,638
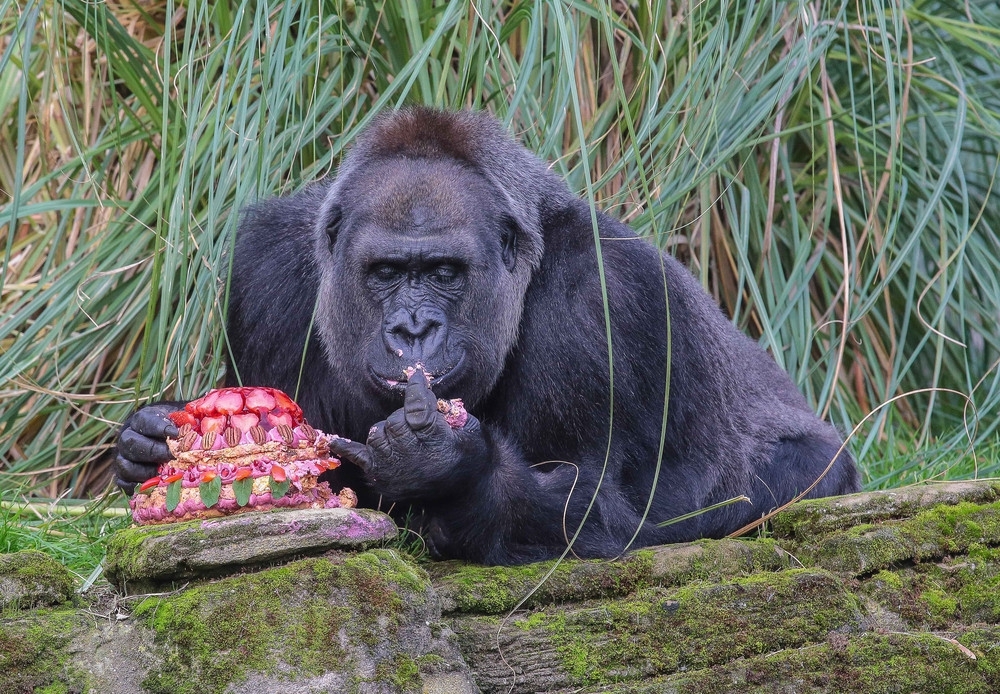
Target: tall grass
x,y
826,168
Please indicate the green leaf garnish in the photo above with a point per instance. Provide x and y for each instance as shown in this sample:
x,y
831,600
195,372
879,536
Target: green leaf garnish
x,y
279,489
173,495
209,492
242,489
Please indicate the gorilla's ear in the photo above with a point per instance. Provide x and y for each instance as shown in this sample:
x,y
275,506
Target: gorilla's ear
x,y
333,215
508,241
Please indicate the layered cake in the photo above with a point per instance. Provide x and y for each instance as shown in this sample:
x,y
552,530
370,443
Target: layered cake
x,y
238,450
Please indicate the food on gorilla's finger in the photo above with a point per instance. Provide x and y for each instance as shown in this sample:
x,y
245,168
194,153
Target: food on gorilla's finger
x,y
408,371
236,450
454,412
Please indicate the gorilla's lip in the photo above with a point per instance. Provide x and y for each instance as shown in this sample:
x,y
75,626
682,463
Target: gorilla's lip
x,y
398,386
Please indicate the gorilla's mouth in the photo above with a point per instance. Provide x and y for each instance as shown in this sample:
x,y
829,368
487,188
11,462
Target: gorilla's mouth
x,y
396,384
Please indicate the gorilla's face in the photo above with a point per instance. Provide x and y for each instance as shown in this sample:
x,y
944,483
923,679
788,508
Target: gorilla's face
x,y
418,263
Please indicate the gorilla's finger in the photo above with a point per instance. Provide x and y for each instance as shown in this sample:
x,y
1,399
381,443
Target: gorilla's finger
x,y
353,452
129,473
395,425
471,425
419,405
153,421
142,449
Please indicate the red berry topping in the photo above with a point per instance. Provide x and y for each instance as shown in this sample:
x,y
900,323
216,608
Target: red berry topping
x,y
242,408
277,418
215,424
285,403
149,484
205,406
230,401
260,399
182,417
244,422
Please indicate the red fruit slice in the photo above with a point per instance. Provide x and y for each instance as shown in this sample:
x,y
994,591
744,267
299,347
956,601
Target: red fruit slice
x,y
277,417
259,399
176,477
278,473
285,403
182,417
150,483
206,405
213,424
243,473
244,422
208,476
229,401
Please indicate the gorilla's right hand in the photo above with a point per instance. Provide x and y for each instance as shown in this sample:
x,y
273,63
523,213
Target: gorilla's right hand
x,y
142,444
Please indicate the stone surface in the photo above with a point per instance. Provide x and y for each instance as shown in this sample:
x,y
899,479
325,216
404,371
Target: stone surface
x,y
881,592
146,558
813,518
33,579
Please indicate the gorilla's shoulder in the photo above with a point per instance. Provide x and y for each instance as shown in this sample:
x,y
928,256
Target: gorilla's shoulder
x,y
273,283
285,224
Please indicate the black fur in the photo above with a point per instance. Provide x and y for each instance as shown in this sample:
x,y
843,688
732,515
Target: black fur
x,y
528,318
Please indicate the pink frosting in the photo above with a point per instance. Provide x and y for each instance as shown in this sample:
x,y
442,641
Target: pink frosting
x,y
159,512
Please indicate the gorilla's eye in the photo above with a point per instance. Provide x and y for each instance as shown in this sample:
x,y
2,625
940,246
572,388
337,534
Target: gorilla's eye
x,y
384,273
445,275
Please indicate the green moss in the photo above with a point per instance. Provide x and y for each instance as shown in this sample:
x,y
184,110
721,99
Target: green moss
x,y
889,580
657,631
33,652
293,616
40,580
859,664
940,605
716,560
404,673
128,554
812,519
941,594
499,589
54,688
378,579
933,533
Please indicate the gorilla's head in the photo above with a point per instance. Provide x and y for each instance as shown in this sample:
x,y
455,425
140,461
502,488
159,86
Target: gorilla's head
x,y
425,248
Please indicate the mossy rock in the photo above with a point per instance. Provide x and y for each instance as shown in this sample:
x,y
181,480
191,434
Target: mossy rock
x,y
715,560
33,579
35,652
814,518
149,558
498,589
940,595
843,664
930,534
340,622
657,631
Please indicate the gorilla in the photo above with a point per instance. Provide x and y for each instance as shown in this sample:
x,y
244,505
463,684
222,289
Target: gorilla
x,y
608,393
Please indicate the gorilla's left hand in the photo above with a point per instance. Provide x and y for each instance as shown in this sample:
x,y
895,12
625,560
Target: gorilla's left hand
x,y
415,454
